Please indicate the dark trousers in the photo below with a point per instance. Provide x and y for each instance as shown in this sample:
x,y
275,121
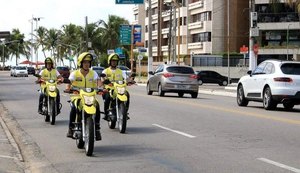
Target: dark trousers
x,y
73,115
42,95
107,100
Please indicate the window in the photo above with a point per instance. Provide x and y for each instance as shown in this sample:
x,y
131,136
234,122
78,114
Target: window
x,y
292,69
260,68
183,70
201,37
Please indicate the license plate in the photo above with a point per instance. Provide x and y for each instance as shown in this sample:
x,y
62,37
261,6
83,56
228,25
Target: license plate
x,y
182,86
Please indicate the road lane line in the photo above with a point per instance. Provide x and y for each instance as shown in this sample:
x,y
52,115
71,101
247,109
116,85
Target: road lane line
x,y
223,109
175,131
7,157
279,165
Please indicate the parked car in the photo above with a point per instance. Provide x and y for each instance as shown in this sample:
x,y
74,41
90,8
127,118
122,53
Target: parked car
x,y
207,76
20,71
272,82
173,78
12,71
64,72
125,69
31,70
98,69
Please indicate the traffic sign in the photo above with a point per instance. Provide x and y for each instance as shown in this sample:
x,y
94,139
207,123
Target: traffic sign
x,y
4,34
129,1
125,34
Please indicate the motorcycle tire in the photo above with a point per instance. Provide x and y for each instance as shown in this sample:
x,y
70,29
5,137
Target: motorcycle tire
x,y
90,136
122,117
53,110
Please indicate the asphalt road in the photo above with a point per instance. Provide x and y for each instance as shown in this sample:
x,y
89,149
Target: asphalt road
x,y
165,134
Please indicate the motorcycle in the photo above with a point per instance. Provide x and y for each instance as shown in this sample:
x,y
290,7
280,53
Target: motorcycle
x,y
84,99
117,112
49,105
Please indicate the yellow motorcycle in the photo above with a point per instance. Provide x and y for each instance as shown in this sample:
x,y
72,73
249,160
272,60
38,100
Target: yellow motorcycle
x,y
49,106
117,112
84,100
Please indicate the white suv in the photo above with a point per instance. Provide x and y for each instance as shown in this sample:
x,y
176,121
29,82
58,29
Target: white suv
x,y
272,82
20,71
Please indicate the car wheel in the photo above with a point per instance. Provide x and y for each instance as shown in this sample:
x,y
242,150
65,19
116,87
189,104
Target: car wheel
x,y
148,90
160,92
240,98
268,102
194,95
288,106
200,82
225,83
180,94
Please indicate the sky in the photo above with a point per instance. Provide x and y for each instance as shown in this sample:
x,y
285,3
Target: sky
x,y
55,13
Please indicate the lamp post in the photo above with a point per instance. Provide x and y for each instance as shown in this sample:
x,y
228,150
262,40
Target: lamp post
x,y
36,19
287,41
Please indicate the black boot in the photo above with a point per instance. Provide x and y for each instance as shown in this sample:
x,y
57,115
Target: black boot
x,y
70,133
40,105
97,131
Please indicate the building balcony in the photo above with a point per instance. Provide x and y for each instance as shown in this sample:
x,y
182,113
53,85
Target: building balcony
x,y
198,4
196,25
197,45
200,47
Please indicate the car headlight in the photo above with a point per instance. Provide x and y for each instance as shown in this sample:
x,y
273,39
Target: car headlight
x,y
89,100
52,88
121,90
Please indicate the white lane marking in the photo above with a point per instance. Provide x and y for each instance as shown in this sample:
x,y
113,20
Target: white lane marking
x,y
175,131
280,165
7,157
3,139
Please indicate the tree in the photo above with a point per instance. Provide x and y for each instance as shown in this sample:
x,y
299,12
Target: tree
x,y
40,39
16,44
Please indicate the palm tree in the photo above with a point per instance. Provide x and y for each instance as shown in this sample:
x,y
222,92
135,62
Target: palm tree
x,y
51,41
16,46
291,3
111,29
40,39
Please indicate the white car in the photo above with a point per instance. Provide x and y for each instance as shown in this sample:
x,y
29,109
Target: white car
x,y
20,71
272,82
125,69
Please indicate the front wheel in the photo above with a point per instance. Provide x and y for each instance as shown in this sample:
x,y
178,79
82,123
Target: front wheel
x,y
149,92
122,117
240,98
89,136
268,102
53,110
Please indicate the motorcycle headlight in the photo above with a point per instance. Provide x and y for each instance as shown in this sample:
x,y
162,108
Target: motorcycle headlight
x,y
121,90
89,100
52,88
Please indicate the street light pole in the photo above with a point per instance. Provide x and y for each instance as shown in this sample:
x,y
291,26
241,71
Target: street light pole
x,y
287,41
36,19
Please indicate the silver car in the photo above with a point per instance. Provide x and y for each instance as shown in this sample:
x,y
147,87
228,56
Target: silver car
x,y
272,82
173,78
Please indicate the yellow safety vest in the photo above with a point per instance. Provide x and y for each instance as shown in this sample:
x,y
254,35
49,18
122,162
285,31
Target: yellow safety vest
x,y
84,82
117,75
47,75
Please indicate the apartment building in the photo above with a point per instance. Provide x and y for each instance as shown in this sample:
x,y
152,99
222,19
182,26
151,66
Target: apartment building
x,y
203,27
279,31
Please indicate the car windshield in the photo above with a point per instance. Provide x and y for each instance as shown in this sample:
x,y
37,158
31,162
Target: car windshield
x,y
21,68
183,70
123,68
291,68
63,68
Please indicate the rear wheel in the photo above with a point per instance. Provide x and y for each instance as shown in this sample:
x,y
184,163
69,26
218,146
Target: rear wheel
x,y
268,102
180,94
200,82
122,117
225,83
149,92
194,95
160,92
89,136
240,99
288,106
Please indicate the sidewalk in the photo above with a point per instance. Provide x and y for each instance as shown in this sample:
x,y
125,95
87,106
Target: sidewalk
x,y
10,157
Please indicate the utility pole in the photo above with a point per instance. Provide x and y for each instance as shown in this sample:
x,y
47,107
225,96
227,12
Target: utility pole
x,y
86,34
228,41
252,58
170,35
159,27
36,19
150,58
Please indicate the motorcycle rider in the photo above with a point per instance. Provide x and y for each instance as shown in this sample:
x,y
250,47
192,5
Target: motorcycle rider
x,y
46,74
113,73
84,77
